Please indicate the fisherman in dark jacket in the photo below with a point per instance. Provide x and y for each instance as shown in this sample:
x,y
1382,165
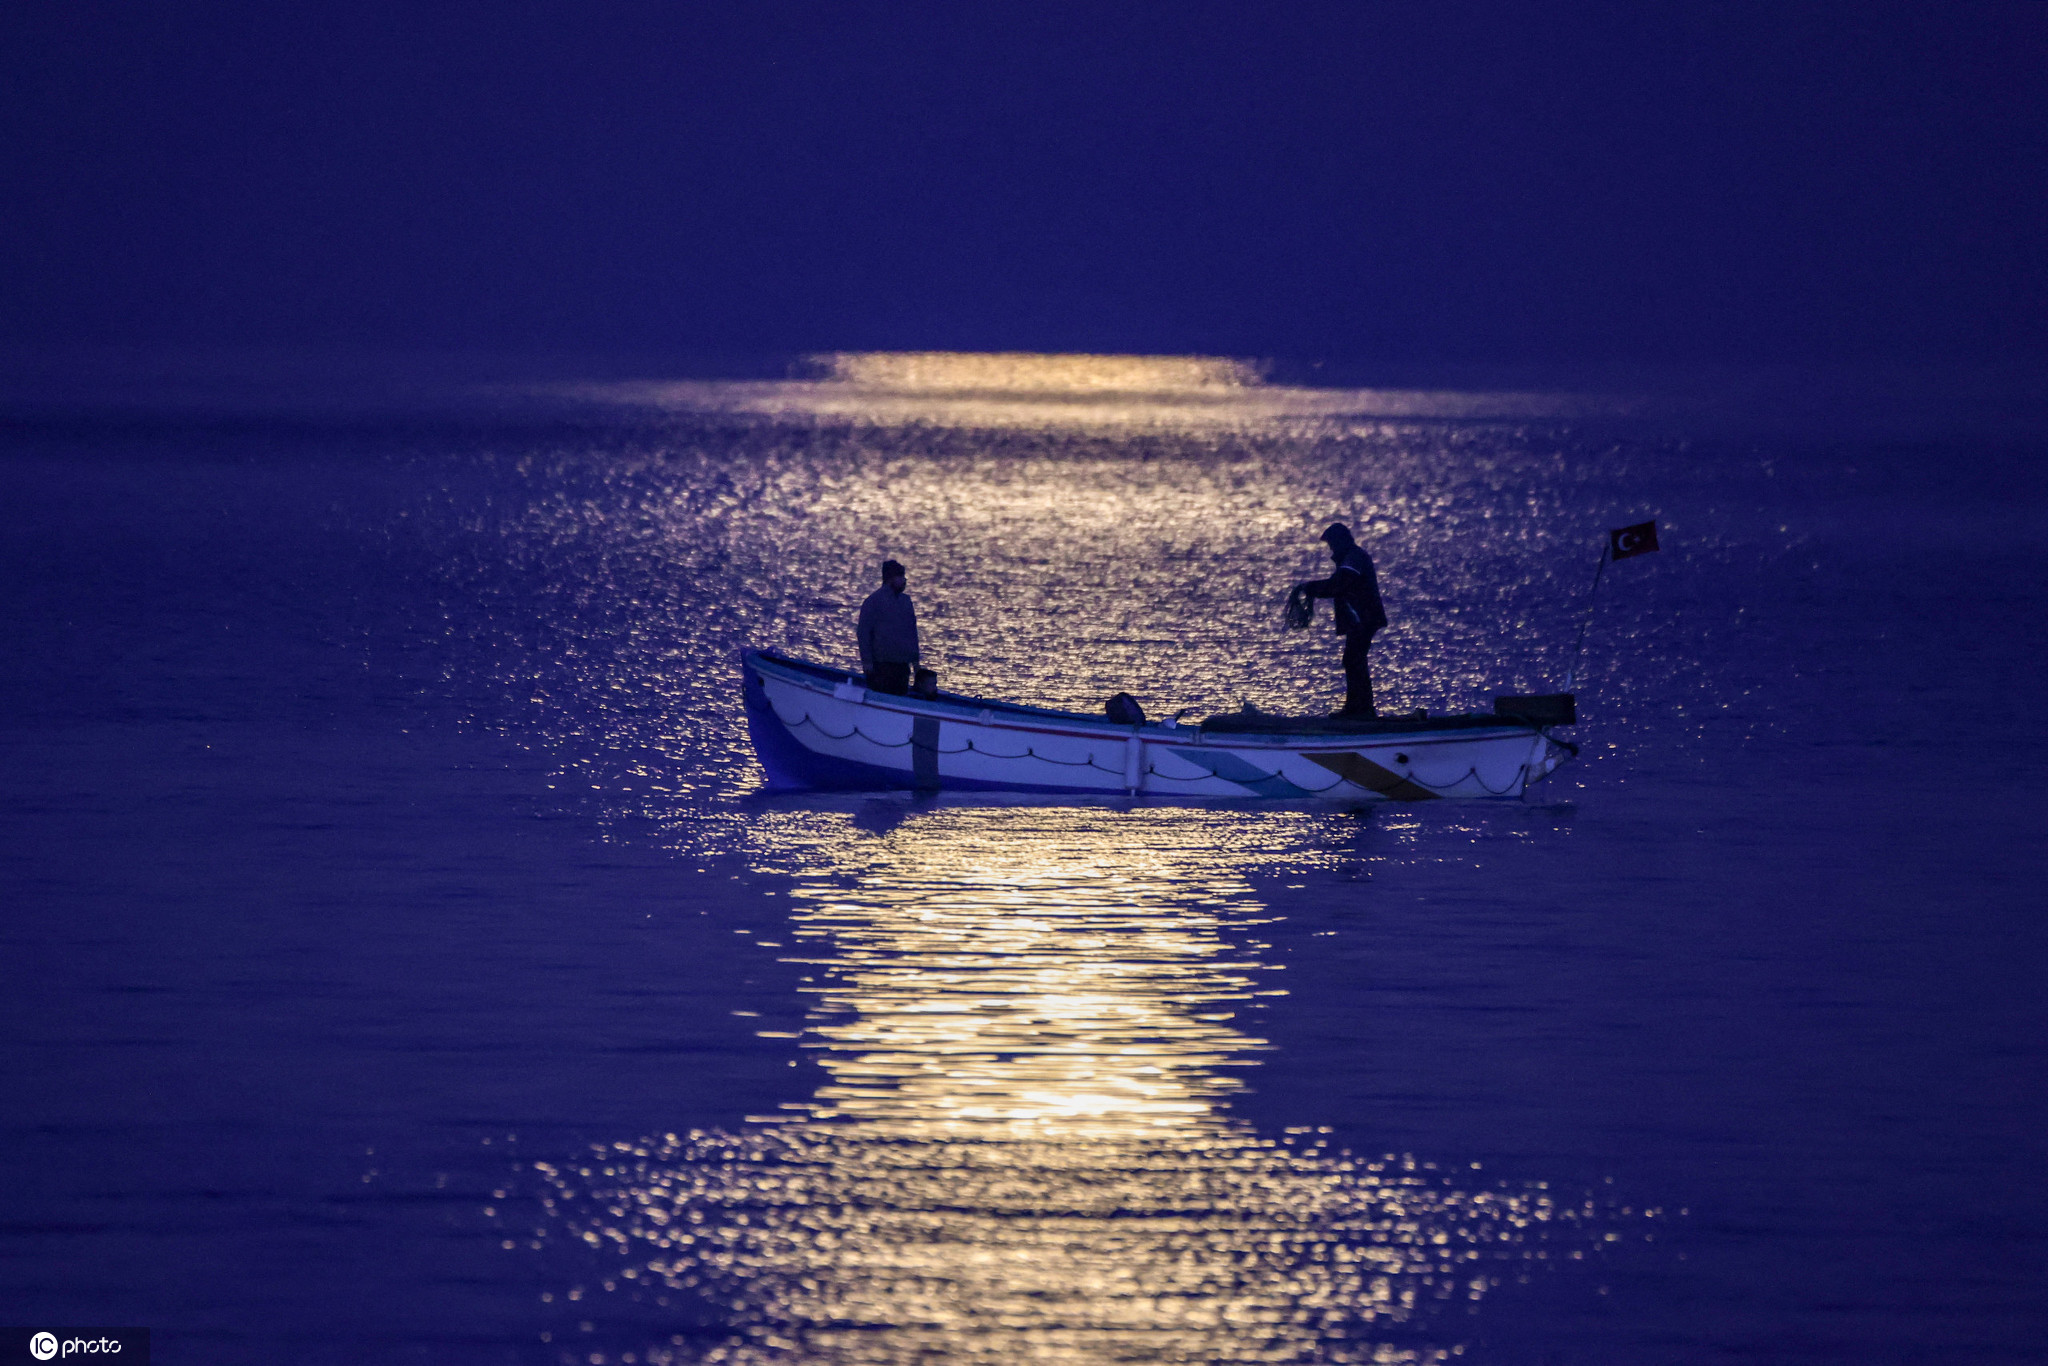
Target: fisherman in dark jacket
x,y
1355,593
887,630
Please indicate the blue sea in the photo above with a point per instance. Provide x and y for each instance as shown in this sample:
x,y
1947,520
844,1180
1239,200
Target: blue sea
x,y
401,962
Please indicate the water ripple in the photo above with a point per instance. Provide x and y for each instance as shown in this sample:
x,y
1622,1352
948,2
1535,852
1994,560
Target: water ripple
x,y
1028,1020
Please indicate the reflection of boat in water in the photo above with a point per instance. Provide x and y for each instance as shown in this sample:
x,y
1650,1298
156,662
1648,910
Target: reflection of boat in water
x,y
817,727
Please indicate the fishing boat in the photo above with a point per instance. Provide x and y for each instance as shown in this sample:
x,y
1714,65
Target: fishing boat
x,y
817,727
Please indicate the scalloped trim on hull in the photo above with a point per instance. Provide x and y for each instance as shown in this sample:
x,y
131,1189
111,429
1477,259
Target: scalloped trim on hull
x,y
816,727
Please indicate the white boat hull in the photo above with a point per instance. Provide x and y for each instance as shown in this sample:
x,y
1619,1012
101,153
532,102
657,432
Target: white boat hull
x,y
814,727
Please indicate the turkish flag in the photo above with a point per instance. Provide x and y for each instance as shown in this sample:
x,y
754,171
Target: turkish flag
x,y
1639,539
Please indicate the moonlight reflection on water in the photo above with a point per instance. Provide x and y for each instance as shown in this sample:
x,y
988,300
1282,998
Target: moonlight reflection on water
x,y
383,801
1029,1022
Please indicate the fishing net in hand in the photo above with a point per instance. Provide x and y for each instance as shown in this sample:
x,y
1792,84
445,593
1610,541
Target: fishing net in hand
x,y
1301,610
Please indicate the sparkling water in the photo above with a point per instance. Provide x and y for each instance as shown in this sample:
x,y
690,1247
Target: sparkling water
x,y
402,964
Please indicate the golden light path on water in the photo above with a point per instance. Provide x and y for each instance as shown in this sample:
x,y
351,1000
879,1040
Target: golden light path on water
x,y
1010,390
1030,1020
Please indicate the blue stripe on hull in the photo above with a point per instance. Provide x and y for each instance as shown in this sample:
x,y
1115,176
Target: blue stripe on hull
x,y
792,767
1232,769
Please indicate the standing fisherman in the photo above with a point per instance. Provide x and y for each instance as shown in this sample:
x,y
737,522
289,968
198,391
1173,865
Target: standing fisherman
x,y
1354,590
887,630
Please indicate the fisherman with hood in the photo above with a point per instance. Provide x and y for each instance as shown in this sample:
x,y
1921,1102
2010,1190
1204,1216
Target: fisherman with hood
x,y
1354,590
887,631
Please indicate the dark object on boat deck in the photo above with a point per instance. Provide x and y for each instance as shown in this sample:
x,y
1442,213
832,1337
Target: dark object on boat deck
x,y
1124,710
1541,709
926,685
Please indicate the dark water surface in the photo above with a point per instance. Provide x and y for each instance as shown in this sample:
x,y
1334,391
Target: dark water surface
x,y
398,965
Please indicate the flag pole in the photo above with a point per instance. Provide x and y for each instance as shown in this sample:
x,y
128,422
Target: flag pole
x,y
1571,673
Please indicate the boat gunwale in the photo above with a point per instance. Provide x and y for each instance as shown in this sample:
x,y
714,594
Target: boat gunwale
x,y
962,708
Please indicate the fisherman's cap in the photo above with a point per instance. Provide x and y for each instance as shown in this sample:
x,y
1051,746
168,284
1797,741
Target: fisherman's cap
x,y
1338,533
